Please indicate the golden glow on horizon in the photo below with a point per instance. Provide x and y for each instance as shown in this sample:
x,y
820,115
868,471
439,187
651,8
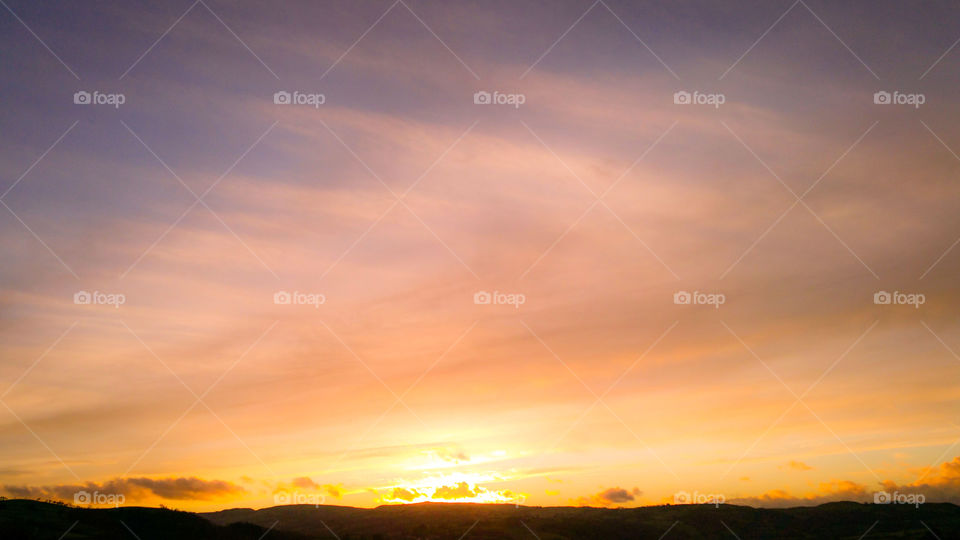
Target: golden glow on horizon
x,y
446,480
454,486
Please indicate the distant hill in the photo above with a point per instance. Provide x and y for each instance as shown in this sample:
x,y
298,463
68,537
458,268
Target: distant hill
x,y
34,520
28,520
845,520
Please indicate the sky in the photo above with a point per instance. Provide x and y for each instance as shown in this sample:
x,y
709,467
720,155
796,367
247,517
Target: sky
x,y
487,252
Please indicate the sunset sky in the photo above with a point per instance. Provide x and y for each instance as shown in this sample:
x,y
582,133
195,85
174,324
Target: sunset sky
x,y
398,199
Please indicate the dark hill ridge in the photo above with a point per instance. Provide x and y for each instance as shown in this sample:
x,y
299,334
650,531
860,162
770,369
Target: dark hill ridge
x,y
27,520
34,520
845,520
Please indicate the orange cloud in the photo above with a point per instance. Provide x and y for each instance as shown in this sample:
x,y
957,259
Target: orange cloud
x,y
455,456
305,483
832,491
937,484
796,466
133,489
403,494
459,491
609,497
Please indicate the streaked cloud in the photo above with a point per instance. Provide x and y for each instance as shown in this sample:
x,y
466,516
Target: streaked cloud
x,y
495,402
137,489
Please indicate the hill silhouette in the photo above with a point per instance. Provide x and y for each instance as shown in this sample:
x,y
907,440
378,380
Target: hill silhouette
x,y
36,520
28,519
843,520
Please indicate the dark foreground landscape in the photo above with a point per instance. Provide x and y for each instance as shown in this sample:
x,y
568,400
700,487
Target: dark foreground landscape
x,y
26,519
